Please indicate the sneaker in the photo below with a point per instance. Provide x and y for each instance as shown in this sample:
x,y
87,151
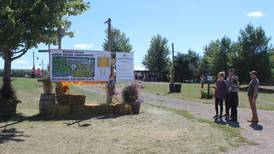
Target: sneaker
x,y
216,116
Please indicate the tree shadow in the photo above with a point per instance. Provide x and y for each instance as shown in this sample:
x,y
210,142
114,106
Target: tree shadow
x,y
11,135
256,126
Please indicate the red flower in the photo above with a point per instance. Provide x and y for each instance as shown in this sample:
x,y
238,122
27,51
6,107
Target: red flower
x,y
65,88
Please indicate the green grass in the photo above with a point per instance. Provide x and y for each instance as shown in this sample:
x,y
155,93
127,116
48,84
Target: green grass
x,y
191,92
29,90
230,134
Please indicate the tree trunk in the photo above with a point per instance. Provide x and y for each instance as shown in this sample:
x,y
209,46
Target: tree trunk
x,y
6,90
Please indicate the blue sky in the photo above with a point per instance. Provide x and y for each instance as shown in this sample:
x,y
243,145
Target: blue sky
x,y
190,24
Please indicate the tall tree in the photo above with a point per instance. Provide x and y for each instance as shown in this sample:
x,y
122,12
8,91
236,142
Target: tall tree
x,y
24,24
253,53
119,41
216,56
186,66
272,58
156,59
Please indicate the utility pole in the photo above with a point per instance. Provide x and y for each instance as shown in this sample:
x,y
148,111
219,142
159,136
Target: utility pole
x,y
33,66
61,34
111,78
42,68
173,67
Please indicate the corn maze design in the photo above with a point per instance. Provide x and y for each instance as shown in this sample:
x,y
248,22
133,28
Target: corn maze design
x,y
73,67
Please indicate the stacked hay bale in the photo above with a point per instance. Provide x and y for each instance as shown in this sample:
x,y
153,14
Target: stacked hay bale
x,y
68,104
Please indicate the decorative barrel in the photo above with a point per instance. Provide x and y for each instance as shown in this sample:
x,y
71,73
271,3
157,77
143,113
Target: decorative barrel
x,y
46,103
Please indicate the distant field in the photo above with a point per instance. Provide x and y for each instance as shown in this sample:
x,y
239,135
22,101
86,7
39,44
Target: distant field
x,y
191,92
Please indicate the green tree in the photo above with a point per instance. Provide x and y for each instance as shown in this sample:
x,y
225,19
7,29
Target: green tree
x,y
119,41
217,56
253,54
271,53
24,24
156,59
186,66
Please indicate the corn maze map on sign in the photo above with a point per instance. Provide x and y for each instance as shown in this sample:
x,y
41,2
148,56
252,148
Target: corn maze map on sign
x,y
73,66
78,65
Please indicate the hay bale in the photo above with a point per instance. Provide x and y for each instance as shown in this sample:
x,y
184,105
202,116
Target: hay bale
x,y
120,109
60,111
63,99
77,100
73,100
97,109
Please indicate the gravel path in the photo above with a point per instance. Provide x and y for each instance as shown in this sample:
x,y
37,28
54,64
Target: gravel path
x,y
262,133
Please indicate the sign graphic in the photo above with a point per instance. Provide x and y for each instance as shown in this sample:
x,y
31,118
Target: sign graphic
x,y
79,65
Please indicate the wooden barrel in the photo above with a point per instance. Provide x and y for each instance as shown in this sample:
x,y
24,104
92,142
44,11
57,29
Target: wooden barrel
x,y
46,103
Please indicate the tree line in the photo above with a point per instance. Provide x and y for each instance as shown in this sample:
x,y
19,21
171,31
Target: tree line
x,y
251,51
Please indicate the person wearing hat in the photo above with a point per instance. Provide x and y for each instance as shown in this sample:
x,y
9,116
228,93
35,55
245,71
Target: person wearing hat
x,y
253,89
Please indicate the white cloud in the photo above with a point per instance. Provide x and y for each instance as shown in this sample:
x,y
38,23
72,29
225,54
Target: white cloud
x,y
83,46
255,14
21,62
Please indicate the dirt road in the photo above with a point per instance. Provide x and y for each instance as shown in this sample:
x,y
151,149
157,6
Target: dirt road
x,y
262,133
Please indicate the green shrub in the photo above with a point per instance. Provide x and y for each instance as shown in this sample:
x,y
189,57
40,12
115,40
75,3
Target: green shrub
x,y
204,94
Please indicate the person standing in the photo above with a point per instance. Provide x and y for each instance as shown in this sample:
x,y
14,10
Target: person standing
x,y
220,93
232,97
253,89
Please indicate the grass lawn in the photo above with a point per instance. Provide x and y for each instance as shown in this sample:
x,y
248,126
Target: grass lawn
x,y
155,130
191,92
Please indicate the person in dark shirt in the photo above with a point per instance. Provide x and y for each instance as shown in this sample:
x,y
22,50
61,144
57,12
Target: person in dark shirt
x,y
253,89
232,98
220,94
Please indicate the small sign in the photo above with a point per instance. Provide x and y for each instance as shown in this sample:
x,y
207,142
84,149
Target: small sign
x,y
209,78
124,67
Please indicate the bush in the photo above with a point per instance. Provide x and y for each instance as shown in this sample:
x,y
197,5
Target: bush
x,y
204,94
130,94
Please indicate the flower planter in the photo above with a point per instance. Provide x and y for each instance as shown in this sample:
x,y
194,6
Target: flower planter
x,y
135,108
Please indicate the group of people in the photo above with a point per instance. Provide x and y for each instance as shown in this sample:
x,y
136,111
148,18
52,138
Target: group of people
x,y
227,91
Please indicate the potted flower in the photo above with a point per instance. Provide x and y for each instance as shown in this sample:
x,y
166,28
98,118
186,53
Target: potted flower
x,y
130,96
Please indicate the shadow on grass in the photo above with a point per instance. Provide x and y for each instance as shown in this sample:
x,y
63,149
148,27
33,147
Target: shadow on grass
x,y
11,135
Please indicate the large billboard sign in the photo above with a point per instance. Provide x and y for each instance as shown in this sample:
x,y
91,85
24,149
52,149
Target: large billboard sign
x,y
79,65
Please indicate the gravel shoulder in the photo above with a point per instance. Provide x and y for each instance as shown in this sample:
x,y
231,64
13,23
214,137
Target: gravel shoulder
x,y
261,134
